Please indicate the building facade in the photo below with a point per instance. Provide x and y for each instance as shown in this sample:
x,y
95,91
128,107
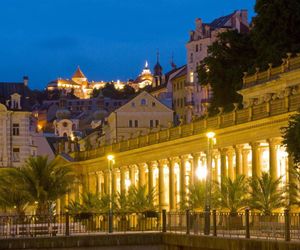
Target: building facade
x,y
201,38
247,141
141,115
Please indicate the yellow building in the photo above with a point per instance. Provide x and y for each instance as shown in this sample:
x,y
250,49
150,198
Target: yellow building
x,y
248,141
139,116
179,94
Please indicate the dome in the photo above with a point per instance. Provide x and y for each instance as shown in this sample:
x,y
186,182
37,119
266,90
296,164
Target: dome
x,y
63,113
100,114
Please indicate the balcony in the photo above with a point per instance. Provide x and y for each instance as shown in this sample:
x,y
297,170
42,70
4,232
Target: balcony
x,y
189,103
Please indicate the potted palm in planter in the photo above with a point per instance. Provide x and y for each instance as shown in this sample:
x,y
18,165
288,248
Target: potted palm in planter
x,y
266,196
141,202
233,197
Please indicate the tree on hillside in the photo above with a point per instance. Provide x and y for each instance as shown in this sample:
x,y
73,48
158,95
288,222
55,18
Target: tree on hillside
x,y
276,30
229,57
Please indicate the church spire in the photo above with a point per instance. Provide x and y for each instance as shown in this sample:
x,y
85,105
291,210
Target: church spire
x,y
173,65
157,68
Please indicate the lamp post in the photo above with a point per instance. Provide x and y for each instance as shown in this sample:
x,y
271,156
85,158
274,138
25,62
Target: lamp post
x,y
210,142
110,161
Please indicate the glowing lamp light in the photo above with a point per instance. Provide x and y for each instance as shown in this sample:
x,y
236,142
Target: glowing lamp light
x,y
201,173
110,157
127,183
210,134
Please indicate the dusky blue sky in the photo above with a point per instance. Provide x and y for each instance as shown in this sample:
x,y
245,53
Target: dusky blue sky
x,y
109,39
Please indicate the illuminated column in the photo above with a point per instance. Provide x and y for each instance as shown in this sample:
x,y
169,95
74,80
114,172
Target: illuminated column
x,y
273,142
182,178
92,183
245,153
161,191
150,176
106,182
215,173
172,187
98,178
114,180
194,167
142,180
292,179
230,153
255,159
122,179
223,164
238,160
132,175
85,182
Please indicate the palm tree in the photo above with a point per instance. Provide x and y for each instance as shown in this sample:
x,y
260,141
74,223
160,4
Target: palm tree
x,y
44,181
140,200
195,198
233,194
266,194
12,195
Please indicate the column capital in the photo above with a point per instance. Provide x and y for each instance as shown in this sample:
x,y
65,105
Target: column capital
x,y
123,168
223,151
132,166
172,160
197,154
239,147
99,173
254,144
230,151
274,141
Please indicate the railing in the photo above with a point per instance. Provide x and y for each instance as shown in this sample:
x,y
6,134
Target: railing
x,y
268,109
84,223
288,64
278,226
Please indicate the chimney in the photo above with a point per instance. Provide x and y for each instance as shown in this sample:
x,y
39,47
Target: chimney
x,y
244,17
199,27
25,80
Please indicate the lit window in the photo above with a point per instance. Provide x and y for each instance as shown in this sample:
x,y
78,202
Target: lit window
x,y
16,154
191,77
191,58
16,129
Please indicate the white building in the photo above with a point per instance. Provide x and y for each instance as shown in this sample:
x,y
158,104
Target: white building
x,y
203,36
141,115
18,137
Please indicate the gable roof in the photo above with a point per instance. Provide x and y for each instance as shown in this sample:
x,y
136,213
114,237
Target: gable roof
x,y
9,88
181,72
137,96
78,73
221,21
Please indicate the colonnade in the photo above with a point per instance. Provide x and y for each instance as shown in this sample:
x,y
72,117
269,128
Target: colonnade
x,y
170,177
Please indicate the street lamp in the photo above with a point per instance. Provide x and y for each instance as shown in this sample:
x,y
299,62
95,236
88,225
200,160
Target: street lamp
x,y
210,142
110,161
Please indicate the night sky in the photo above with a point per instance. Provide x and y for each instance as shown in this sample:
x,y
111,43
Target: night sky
x,y
109,39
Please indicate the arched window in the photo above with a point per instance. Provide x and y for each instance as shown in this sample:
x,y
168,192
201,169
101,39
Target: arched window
x,y
143,102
